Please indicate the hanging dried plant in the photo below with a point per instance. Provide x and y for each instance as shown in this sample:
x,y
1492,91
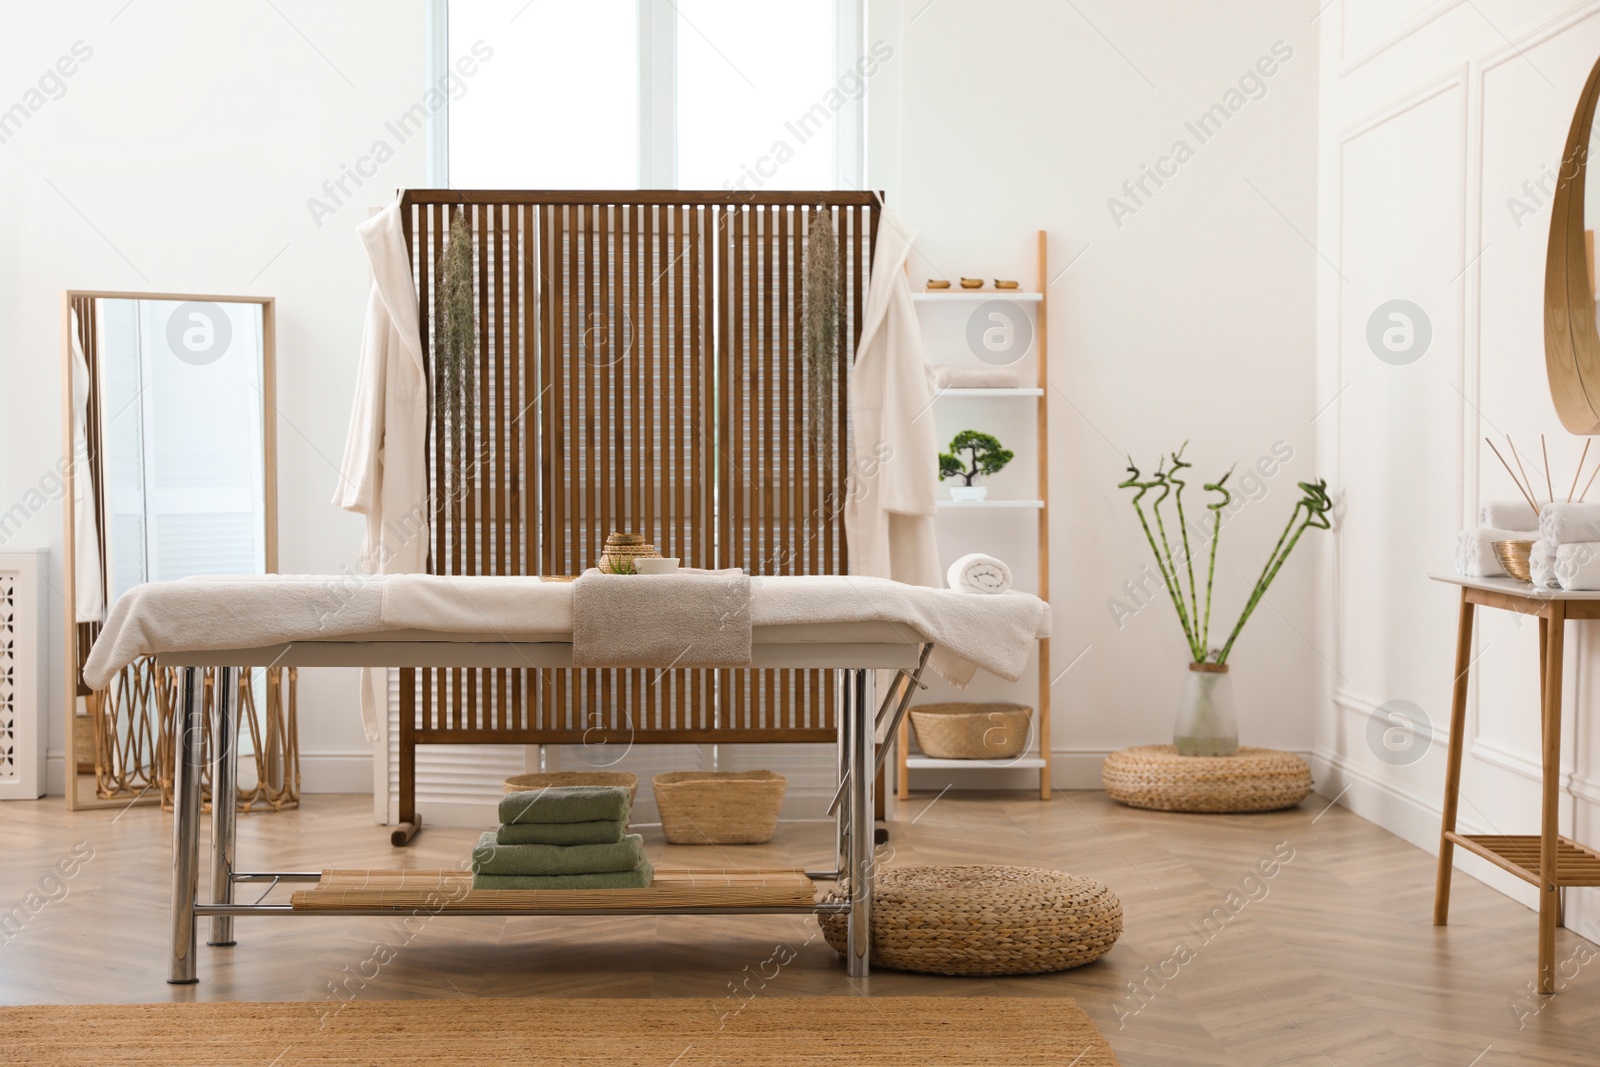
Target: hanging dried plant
x,y
455,336
823,313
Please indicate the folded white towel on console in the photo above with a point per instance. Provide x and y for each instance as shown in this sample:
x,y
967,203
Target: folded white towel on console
x,y
978,573
1475,551
1565,524
1578,565
1509,515
1542,565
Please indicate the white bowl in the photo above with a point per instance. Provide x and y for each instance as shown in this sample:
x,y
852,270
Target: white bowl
x,y
661,565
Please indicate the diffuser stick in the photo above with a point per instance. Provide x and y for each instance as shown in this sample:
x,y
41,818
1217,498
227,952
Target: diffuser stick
x,y
1587,484
1507,466
1525,479
1579,472
1544,450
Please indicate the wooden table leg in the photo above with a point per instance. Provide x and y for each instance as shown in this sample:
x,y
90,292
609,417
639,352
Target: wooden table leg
x,y
407,821
1452,774
1549,887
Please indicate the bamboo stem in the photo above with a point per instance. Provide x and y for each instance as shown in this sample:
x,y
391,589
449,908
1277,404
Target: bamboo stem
x,y
1579,472
1183,526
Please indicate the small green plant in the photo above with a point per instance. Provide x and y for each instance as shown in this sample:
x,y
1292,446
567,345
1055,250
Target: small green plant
x,y
984,455
1310,511
624,566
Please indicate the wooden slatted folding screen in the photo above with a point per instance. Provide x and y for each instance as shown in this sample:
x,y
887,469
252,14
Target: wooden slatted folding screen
x,y
641,369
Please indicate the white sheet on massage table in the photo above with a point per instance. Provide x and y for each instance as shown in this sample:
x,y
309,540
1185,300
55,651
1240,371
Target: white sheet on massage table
x,y
995,633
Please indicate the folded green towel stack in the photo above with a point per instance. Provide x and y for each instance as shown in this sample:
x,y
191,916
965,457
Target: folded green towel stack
x,y
563,837
566,804
599,832
491,857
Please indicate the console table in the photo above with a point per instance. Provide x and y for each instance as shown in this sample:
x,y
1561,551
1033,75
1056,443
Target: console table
x,y
1546,859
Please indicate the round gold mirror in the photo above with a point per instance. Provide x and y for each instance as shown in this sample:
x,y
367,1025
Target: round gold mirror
x,y
1571,336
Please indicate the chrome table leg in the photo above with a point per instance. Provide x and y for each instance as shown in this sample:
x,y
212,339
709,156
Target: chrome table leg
x,y
224,798
189,733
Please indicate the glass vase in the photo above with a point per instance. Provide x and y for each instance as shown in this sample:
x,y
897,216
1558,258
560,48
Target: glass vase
x,y
1206,725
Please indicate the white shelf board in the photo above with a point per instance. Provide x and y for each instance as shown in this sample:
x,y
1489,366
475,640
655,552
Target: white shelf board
x,y
1034,505
929,763
957,392
1022,296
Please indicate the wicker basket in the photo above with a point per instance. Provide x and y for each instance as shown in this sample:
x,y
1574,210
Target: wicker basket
x,y
719,807
996,730
984,920
1253,779
522,783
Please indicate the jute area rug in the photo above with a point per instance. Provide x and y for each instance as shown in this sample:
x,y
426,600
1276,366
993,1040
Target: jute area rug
x,y
659,1032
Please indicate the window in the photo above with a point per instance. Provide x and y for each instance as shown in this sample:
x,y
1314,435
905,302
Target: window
x,y
617,94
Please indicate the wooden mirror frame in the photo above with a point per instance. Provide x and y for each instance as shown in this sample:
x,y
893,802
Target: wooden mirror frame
x,y
269,451
1571,340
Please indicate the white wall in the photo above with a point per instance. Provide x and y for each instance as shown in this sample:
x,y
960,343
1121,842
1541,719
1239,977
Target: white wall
x,y
186,148
180,158
1192,319
1433,115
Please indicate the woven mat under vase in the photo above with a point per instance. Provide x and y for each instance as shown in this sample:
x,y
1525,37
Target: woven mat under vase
x,y
1253,779
619,1032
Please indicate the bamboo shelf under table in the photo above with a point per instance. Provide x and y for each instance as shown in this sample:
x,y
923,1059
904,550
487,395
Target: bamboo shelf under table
x,y
1545,860
673,891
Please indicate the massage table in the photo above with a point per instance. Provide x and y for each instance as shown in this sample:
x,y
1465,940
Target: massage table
x,y
857,626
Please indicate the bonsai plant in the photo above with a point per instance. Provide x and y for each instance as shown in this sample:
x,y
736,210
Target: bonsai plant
x,y
984,455
1205,724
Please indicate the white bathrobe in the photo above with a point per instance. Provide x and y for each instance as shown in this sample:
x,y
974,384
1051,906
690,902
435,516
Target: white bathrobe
x,y
384,476
889,511
88,572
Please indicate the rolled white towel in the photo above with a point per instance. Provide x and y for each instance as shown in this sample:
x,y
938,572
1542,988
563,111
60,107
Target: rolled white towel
x,y
1475,551
1542,565
943,376
977,573
1578,565
1508,515
1566,524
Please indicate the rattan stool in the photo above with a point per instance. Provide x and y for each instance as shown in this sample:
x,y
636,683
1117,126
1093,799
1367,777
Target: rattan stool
x,y
1253,779
985,920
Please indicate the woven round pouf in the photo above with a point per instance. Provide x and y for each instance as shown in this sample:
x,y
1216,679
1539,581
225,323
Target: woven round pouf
x,y
984,920
1253,779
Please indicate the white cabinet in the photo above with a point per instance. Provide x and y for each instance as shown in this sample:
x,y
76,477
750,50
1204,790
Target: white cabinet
x,y
24,729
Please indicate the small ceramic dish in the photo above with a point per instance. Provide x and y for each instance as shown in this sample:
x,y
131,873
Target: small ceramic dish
x,y
658,565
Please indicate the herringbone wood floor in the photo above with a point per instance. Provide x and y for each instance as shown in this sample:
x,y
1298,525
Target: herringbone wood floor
x,y
1332,960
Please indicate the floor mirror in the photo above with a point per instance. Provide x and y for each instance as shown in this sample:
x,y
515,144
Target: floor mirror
x,y
169,423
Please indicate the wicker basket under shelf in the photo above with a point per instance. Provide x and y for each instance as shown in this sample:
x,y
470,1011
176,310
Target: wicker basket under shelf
x,y
985,920
992,730
1253,779
719,807
521,783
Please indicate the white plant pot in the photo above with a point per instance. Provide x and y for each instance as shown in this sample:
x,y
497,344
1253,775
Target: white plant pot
x,y
968,492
